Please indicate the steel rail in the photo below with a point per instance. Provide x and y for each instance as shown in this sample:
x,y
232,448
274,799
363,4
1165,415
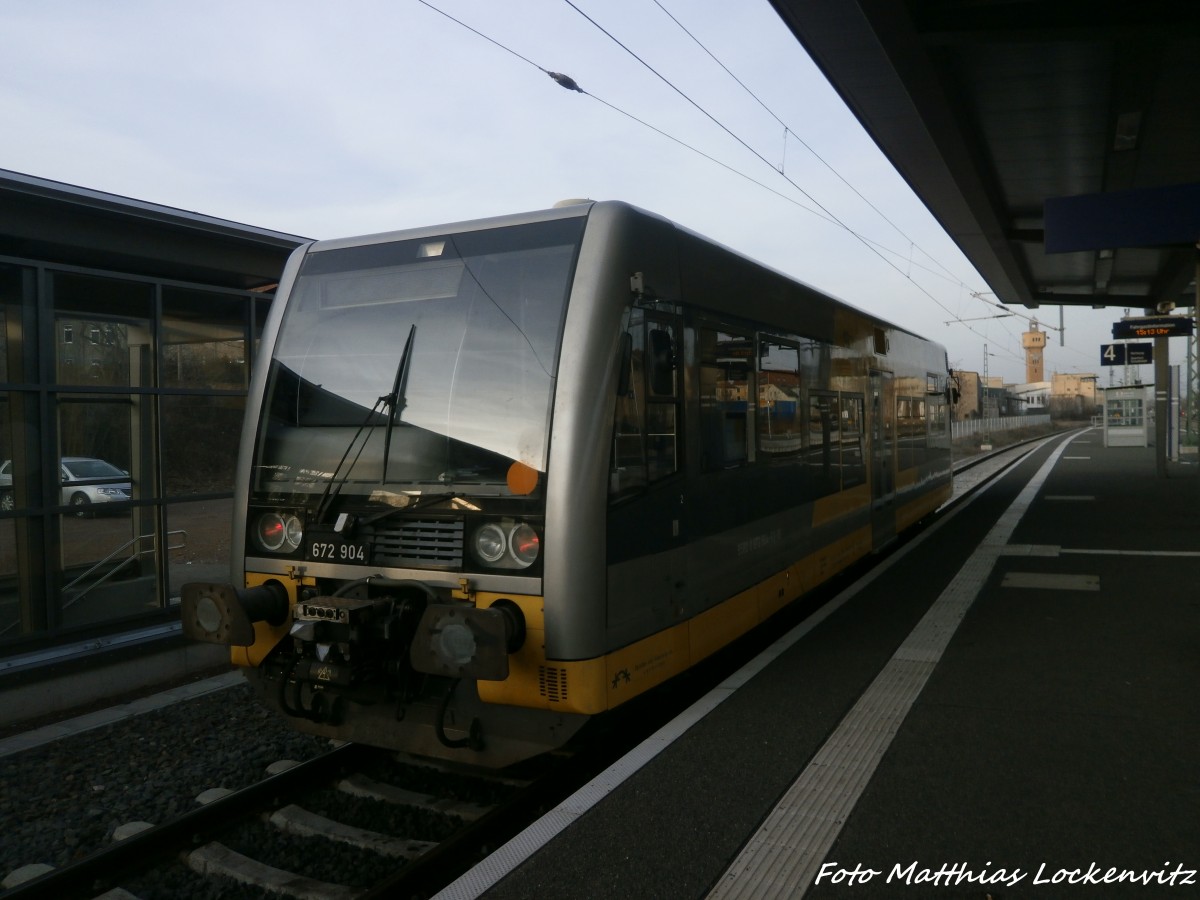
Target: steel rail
x,y
103,868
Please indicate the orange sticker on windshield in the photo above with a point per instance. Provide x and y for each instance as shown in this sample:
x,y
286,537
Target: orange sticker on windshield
x,y
522,479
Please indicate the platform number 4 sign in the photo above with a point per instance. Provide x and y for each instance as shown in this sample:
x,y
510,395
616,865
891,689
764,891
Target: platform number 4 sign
x,y
1126,354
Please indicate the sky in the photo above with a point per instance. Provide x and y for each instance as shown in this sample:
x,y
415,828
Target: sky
x,y
328,120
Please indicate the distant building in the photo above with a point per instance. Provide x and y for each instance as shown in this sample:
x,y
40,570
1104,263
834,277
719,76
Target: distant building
x,y
1034,342
1032,398
978,400
970,395
1071,396
1074,396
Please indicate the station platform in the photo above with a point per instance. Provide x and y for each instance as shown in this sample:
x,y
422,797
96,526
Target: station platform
x,y
1009,707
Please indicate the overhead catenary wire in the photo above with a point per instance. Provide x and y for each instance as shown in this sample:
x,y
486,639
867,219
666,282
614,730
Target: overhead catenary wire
x,y
787,129
820,211
829,214
950,276
570,84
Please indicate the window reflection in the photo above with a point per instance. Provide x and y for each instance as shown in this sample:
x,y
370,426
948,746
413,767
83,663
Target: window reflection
x,y
108,571
10,598
102,333
854,470
10,306
204,340
198,541
724,395
80,534
200,442
780,433
96,441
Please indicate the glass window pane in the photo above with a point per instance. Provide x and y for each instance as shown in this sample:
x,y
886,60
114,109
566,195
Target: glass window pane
x,y
198,541
661,355
780,428
10,308
102,332
10,598
628,464
109,566
850,433
822,454
724,395
660,440
204,340
96,447
200,443
7,501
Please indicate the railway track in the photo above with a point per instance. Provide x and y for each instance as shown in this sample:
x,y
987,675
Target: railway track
x,y
354,832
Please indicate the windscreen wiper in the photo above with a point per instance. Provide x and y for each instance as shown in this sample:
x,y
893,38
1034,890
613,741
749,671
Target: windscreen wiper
x,y
335,482
395,400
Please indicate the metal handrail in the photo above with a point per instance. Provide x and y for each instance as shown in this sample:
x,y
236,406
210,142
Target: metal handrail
x,y
117,568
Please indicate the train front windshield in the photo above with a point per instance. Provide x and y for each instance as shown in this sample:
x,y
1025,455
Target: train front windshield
x,y
419,366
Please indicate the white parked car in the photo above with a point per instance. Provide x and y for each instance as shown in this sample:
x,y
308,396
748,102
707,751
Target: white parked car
x,y
85,481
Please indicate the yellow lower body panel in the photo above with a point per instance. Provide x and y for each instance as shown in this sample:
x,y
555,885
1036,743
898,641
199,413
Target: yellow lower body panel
x,y
594,686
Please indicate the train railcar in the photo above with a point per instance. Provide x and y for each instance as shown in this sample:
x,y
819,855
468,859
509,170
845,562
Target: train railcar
x,y
501,476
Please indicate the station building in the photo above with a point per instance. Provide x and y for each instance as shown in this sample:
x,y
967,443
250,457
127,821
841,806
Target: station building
x,y
127,335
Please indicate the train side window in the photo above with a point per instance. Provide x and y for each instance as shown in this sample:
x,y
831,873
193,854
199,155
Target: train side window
x,y
938,434
920,432
645,444
662,362
823,454
910,427
903,449
724,398
778,420
850,440
662,419
627,469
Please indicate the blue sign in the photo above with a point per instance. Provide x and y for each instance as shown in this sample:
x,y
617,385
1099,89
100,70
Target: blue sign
x,y
1126,354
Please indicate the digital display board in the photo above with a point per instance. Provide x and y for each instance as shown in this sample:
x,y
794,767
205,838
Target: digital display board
x,y
1153,326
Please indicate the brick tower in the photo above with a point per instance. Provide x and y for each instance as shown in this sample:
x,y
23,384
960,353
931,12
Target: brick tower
x,y
1034,342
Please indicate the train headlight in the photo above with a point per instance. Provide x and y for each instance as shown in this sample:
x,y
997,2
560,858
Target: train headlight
x,y
506,544
270,532
524,545
490,543
277,531
293,532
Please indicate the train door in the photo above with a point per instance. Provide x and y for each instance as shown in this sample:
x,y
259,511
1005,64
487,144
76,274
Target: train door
x,y
644,530
883,479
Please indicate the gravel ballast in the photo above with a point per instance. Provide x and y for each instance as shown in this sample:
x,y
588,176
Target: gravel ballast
x,y
61,801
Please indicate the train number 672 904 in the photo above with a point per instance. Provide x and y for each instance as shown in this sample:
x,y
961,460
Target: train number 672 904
x,y
337,551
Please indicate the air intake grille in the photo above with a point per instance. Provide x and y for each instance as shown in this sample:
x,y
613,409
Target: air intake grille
x,y
428,543
552,683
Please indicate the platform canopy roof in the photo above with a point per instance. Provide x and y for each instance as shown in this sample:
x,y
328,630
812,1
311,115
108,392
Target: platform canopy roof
x,y
1057,141
53,222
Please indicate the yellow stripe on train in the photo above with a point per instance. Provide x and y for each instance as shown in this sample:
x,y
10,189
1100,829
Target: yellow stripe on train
x,y
594,686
